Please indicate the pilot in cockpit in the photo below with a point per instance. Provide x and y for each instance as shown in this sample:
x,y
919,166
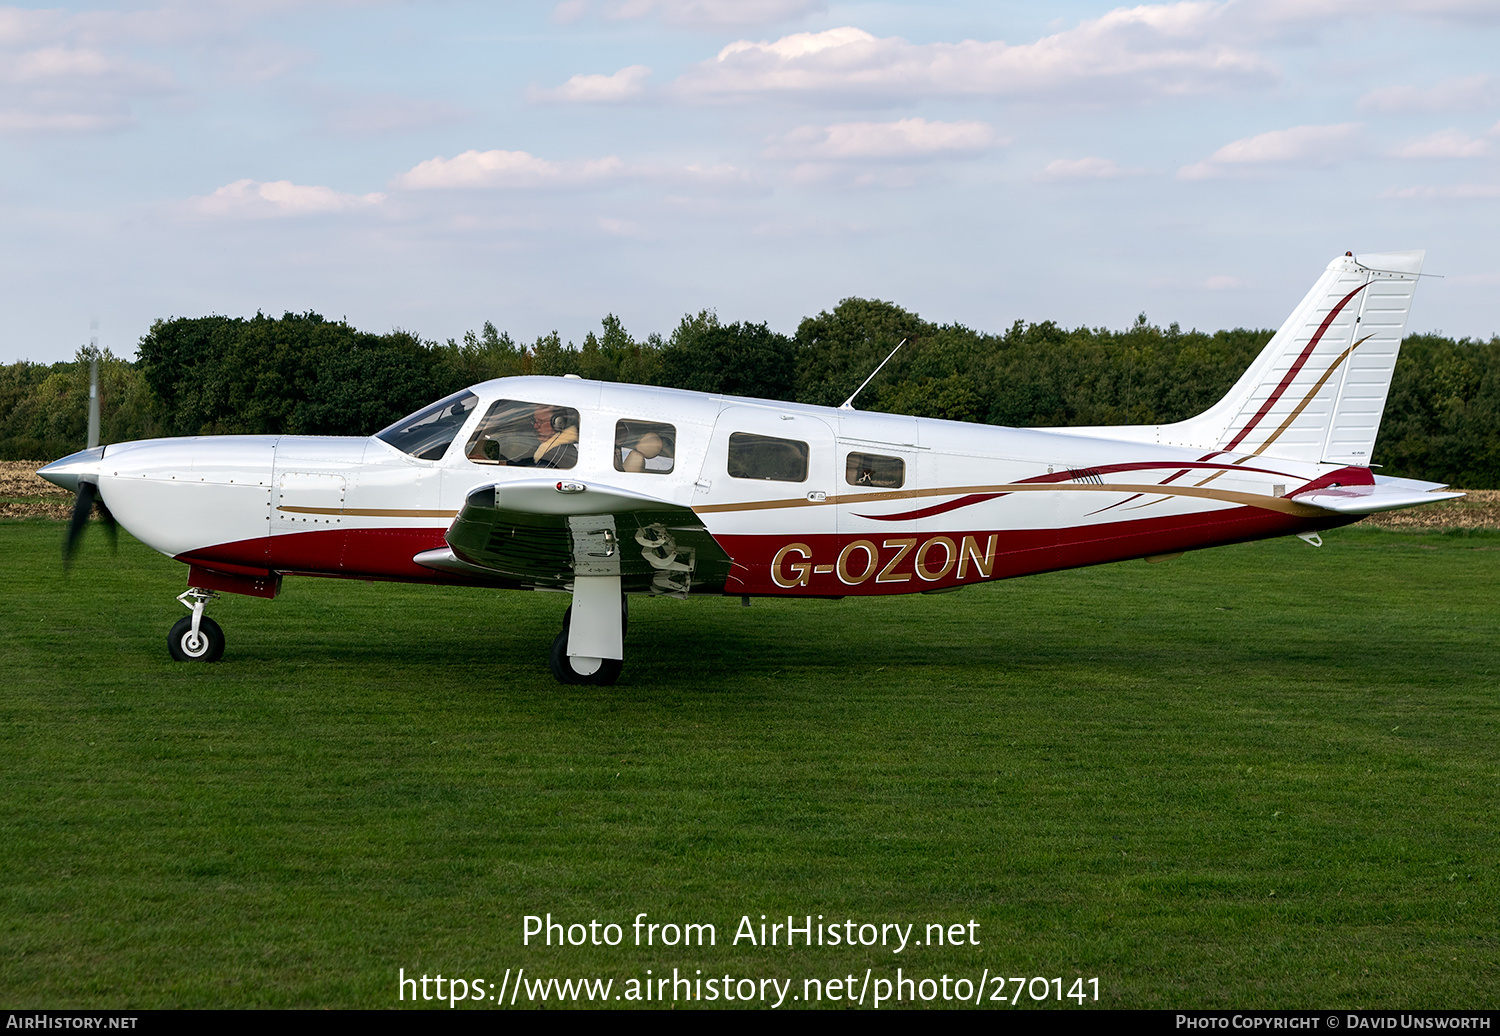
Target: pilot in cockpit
x,y
557,438
519,434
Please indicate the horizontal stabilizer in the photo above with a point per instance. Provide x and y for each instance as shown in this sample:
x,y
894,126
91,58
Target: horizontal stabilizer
x,y
1388,494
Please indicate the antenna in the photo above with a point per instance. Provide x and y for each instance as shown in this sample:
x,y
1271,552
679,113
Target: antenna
x,y
93,385
848,404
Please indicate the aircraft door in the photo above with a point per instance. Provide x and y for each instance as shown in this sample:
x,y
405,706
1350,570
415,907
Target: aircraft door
x,y
880,474
768,491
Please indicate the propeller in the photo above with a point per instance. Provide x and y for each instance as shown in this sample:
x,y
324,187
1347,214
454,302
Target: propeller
x,y
84,504
88,501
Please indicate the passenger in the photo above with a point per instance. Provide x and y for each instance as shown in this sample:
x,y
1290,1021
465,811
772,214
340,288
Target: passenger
x,y
648,447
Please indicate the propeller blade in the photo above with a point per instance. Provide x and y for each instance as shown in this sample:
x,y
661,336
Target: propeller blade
x,y
83,506
111,527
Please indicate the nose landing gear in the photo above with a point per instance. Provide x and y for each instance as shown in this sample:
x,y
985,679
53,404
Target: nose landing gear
x,y
196,638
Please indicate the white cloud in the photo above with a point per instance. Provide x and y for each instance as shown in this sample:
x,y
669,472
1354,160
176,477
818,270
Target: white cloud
x,y
1091,168
1449,143
1459,94
14,120
626,84
1457,191
1223,282
908,139
254,199
1303,145
506,169
618,227
1145,50
62,87
715,13
373,114
1298,13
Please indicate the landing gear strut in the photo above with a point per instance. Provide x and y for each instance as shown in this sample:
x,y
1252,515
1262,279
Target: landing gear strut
x,y
593,631
196,638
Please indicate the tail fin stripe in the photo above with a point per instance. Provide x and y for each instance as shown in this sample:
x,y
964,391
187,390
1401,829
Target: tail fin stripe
x,y
1314,391
1296,368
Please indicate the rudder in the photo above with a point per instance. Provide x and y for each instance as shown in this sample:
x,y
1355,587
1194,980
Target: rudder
x,y
1318,389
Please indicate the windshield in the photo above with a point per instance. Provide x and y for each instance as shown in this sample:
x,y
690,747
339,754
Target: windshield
x,y
427,433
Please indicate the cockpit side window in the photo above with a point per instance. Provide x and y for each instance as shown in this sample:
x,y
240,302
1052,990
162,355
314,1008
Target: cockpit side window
x,y
527,435
766,457
427,433
647,446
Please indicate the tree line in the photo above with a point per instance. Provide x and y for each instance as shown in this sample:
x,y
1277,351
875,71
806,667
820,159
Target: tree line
x,y
303,374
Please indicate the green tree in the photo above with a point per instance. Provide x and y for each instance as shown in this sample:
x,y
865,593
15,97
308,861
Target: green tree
x,y
739,359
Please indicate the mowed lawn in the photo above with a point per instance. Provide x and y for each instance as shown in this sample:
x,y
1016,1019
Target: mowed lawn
x,y
1260,776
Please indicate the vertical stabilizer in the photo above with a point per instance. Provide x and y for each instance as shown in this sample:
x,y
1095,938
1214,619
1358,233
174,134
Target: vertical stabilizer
x,y
1318,389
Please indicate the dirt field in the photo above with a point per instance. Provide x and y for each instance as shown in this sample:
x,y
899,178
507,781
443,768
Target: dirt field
x,y
23,495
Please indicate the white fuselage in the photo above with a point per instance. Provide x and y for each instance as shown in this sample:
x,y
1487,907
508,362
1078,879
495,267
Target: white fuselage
x,y
974,502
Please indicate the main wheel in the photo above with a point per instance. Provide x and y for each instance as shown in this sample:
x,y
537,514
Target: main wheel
x,y
562,665
207,647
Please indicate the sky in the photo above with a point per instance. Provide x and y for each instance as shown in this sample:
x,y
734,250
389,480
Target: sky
x,y
540,165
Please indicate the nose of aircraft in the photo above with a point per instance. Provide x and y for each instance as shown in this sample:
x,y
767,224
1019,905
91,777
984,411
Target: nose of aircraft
x,y
66,472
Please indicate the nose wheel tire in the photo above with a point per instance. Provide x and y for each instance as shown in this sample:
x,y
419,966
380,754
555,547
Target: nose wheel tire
x,y
208,646
562,666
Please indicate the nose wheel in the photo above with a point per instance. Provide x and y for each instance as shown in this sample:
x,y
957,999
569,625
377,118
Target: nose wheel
x,y
196,637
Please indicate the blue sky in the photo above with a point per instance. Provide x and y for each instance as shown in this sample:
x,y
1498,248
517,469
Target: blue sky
x,y
539,165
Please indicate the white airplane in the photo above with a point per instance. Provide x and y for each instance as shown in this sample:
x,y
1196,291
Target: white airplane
x,y
602,490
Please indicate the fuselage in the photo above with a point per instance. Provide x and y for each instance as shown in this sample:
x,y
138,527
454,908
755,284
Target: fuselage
x,y
835,502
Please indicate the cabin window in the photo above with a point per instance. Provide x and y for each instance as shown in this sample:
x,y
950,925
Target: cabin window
x,y
427,433
872,469
764,457
647,446
526,435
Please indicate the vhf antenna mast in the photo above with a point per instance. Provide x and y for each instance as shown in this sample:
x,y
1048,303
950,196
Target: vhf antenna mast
x,y
848,404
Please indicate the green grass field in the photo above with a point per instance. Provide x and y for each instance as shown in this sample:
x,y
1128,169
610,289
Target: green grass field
x,y
1261,776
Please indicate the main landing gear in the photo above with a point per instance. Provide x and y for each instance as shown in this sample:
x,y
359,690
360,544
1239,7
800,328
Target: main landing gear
x,y
196,638
589,650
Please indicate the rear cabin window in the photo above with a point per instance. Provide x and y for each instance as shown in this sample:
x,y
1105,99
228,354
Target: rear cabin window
x,y
525,435
645,446
872,469
767,458
427,433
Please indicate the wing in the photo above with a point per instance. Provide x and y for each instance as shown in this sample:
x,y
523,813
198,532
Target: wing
x,y
542,533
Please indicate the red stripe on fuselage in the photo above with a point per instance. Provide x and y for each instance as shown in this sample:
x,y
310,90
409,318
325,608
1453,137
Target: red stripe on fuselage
x,y
899,560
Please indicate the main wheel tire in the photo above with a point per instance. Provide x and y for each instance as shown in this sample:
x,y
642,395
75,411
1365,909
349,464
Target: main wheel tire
x,y
209,647
562,666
